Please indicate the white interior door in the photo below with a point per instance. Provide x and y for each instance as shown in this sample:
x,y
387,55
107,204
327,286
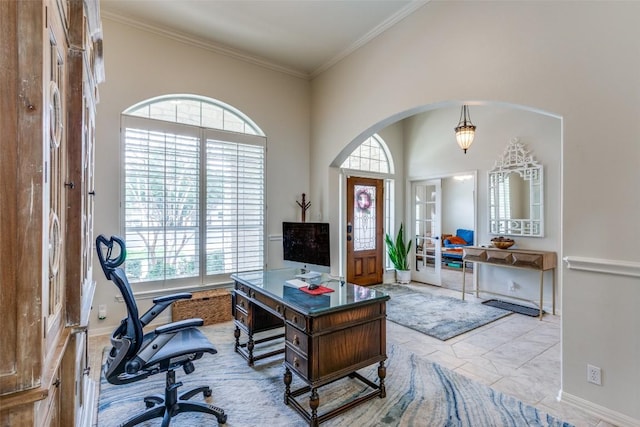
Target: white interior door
x,y
426,212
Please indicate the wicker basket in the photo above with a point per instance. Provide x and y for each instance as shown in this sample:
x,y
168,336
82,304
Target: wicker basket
x,y
212,306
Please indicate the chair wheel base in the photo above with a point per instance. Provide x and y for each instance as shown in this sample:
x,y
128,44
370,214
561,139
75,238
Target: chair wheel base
x,y
171,404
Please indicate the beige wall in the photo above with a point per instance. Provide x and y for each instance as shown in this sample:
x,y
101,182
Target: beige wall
x,y
142,65
576,60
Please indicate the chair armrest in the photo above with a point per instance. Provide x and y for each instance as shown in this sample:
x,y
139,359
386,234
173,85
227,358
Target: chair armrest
x,y
172,297
179,325
160,303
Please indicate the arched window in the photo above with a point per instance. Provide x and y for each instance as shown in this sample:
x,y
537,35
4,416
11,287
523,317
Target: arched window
x,y
193,190
371,156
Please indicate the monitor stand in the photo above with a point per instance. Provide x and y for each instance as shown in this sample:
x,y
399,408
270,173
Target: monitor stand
x,y
306,274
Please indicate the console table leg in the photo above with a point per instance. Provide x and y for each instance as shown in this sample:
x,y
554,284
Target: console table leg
x,y
553,290
382,374
314,402
464,282
541,291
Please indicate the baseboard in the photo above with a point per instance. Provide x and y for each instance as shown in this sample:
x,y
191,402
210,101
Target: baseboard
x,y
612,417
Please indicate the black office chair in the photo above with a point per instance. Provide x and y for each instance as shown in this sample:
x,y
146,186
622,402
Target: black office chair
x,y
135,355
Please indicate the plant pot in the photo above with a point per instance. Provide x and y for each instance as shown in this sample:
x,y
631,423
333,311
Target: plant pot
x,y
403,276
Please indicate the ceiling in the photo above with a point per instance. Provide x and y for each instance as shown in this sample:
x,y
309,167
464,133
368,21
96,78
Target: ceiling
x,y
301,37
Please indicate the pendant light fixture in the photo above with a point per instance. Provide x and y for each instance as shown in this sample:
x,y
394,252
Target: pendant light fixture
x,y
465,131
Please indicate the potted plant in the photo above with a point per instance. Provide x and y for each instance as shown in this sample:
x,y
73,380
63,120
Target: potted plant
x,y
399,255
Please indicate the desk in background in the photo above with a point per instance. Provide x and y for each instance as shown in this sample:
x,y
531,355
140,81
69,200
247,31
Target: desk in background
x,y
327,337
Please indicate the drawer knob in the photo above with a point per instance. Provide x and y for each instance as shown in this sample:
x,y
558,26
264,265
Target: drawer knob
x,y
242,304
278,308
295,319
296,340
296,363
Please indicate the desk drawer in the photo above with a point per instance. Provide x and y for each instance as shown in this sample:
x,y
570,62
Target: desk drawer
x,y
527,260
241,318
242,288
473,254
296,319
269,302
240,301
296,361
297,340
500,257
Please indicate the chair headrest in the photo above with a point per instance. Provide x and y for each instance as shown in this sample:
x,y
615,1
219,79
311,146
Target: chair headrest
x,y
108,260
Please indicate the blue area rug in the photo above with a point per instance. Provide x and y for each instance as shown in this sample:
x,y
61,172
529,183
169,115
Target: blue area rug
x,y
434,315
419,393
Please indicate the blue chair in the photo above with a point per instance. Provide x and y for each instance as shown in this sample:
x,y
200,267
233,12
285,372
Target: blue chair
x,y
462,238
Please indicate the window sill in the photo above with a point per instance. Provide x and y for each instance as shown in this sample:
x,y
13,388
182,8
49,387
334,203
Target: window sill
x,y
154,293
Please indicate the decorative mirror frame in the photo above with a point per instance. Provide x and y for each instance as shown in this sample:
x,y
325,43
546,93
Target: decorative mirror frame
x,y
517,159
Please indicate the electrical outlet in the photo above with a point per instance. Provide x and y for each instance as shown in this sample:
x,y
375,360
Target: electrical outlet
x,y
594,375
102,311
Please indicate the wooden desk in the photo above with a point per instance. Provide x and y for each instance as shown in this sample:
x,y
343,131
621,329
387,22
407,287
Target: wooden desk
x,y
327,337
514,258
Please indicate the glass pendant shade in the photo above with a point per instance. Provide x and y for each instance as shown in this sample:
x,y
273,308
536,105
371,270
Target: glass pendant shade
x,y
465,131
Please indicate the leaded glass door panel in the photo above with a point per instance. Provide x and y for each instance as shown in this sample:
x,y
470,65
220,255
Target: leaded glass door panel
x,y
365,238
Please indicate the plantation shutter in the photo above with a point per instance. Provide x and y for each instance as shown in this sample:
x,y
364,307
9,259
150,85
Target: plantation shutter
x,y
235,203
165,195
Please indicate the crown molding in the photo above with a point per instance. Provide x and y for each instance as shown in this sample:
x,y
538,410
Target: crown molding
x,y
202,44
375,32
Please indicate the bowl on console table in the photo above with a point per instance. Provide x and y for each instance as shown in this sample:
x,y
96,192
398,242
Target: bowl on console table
x,y
502,242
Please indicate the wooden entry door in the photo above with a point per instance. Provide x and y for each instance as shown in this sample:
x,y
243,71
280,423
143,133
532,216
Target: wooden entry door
x,y
365,238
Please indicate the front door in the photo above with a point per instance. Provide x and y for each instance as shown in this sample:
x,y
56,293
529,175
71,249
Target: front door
x,y
365,238
425,196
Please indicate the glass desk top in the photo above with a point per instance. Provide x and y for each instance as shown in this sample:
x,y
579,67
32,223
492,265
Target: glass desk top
x,y
274,283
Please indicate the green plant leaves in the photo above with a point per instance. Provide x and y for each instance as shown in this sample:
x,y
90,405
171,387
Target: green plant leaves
x,y
398,250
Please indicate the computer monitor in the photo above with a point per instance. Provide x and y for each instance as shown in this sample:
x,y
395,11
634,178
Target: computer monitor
x,y
306,246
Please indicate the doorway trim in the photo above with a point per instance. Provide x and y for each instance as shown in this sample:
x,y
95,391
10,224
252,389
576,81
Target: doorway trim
x,y
409,205
342,211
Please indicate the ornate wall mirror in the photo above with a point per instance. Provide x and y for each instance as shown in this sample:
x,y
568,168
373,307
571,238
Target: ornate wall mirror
x,y
516,193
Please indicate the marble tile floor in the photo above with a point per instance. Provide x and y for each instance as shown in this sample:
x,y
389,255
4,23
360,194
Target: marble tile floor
x,y
517,355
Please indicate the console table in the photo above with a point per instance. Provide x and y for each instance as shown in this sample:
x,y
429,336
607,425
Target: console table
x,y
514,258
327,337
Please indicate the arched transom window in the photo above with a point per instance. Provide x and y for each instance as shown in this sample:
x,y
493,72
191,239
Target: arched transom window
x,y
371,156
193,190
